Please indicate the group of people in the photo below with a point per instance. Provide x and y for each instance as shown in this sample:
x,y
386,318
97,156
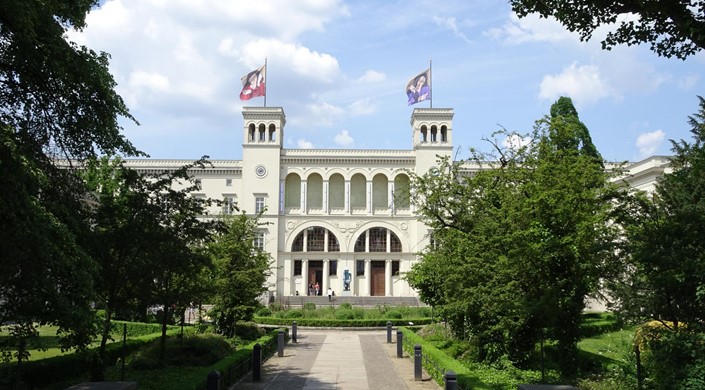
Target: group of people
x,y
315,289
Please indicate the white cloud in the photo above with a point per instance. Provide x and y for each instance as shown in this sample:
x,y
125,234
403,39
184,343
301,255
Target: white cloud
x,y
323,114
362,107
689,81
303,144
531,28
344,139
648,143
583,84
451,24
298,59
372,76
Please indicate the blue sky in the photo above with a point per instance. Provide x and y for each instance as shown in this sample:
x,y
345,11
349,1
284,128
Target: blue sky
x,y
339,68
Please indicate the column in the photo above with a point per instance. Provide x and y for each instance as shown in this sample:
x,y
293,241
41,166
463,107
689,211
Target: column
x,y
304,276
388,278
369,197
368,276
325,197
347,196
392,204
281,196
303,197
326,271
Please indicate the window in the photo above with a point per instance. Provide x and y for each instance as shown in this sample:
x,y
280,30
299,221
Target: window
x,y
378,240
228,182
259,241
259,204
228,205
395,267
315,241
360,268
297,267
332,267
360,243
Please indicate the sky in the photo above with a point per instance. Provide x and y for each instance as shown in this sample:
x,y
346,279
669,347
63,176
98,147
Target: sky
x,y
339,70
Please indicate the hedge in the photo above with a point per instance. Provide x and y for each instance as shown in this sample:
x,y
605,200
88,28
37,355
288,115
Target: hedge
x,y
38,373
360,323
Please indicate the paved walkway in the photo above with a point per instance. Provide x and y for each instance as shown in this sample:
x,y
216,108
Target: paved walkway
x,y
338,359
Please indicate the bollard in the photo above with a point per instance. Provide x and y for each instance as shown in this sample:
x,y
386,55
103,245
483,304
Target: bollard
x,y
389,332
451,379
213,382
280,343
257,362
400,340
293,332
417,362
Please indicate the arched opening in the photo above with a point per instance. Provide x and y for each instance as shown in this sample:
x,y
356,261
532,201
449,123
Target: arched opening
x,y
336,192
444,133
402,192
292,191
262,132
434,133
358,191
380,193
424,133
251,132
272,132
314,192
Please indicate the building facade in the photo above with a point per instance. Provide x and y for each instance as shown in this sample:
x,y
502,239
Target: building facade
x,y
337,218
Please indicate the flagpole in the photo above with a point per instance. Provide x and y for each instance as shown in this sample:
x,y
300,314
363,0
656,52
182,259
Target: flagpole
x,y
266,80
430,81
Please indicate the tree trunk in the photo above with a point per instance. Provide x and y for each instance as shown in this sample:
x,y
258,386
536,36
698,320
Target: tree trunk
x,y
97,366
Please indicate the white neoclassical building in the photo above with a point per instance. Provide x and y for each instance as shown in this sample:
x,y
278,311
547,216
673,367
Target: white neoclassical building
x,y
338,218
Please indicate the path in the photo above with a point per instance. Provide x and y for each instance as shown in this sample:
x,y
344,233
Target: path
x,y
339,359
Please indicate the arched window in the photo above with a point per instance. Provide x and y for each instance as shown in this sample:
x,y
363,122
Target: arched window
x,y
314,191
424,133
251,132
292,191
262,132
272,132
402,192
444,133
358,191
336,191
315,239
378,238
434,133
380,194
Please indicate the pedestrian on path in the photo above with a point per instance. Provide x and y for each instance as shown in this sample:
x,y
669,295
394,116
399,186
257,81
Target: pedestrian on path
x,y
317,287
330,294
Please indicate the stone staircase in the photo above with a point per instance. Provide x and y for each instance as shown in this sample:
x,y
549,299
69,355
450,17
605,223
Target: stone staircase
x,y
322,301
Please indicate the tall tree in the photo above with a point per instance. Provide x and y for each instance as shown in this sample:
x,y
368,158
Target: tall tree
x,y
56,100
673,28
240,274
520,245
668,252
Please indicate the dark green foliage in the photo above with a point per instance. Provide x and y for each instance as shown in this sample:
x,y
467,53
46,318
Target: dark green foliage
x,y
345,305
239,275
249,331
276,306
344,314
309,306
136,329
355,323
520,244
672,28
393,314
264,312
192,350
675,360
296,313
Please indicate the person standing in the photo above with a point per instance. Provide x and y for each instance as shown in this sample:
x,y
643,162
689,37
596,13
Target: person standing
x,y
317,288
330,294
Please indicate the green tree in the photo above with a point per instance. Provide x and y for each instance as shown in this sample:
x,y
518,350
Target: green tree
x,y
240,273
668,253
521,243
672,28
57,100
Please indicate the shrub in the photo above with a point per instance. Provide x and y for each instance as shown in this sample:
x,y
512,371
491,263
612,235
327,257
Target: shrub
x,y
346,306
276,306
264,312
297,313
345,314
359,313
393,314
248,331
193,350
309,306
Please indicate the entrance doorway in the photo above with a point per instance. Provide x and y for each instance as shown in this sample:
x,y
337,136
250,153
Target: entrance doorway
x,y
377,279
315,275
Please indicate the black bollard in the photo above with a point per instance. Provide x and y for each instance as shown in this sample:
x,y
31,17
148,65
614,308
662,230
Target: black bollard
x,y
417,362
257,362
280,343
400,340
213,381
389,332
293,332
451,379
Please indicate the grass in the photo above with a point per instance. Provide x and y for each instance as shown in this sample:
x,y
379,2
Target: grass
x,y
614,346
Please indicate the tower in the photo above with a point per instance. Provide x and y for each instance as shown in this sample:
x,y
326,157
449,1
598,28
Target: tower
x,y
432,136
